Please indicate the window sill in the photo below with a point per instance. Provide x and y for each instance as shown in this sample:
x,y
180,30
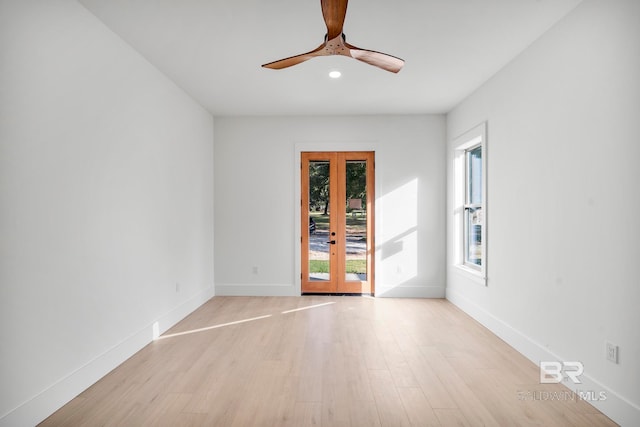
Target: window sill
x,y
470,273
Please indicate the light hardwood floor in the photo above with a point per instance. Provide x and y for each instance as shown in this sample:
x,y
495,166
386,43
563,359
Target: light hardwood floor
x,y
338,361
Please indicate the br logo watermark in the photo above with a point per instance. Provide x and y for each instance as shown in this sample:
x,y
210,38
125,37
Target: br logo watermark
x,y
552,372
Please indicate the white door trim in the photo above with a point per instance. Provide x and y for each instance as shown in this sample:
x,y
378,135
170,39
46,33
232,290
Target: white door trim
x,y
320,146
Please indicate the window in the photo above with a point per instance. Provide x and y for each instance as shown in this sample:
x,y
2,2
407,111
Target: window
x,y
473,207
470,201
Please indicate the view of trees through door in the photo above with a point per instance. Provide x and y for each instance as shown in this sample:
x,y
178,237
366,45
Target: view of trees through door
x,y
337,188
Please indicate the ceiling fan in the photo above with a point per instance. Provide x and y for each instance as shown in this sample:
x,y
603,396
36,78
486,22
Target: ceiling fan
x,y
334,12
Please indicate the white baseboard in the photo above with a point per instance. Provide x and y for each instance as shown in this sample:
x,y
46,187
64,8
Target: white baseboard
x,y
238,290
615,406
289,290
40,406
410,292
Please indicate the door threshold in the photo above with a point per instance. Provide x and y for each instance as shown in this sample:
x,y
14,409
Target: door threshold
x,y
338,294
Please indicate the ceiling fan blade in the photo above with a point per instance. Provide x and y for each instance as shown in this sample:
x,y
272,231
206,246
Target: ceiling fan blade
x,y
334,12
380,60
297,59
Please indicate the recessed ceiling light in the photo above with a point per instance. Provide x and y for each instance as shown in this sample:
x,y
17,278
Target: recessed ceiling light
x,y
335,74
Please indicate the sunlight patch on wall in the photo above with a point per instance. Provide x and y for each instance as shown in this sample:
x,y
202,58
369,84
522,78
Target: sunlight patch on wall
x,y
398,251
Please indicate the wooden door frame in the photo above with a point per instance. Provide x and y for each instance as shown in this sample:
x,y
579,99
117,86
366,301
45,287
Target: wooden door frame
x,y
338,159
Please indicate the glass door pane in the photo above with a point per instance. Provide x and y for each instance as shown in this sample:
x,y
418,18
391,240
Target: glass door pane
x,y
319,214
356,220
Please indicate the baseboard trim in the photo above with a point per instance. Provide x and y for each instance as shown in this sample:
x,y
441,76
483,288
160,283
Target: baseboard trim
x,y
616,407
45,403
410,292
288,290
271,290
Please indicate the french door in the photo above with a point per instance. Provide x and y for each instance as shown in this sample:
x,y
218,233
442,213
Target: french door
x,y
337,222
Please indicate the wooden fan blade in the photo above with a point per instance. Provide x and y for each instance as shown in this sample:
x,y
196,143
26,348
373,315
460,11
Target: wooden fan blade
x,y
297,59
334,12
380,60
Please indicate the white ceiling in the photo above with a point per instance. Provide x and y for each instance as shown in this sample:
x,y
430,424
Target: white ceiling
x,y
213,49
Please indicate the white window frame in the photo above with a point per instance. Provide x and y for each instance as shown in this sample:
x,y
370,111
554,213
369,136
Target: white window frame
x,y
476,137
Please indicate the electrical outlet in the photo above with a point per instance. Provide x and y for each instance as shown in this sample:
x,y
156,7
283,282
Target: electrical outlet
x,y
254,270
177,287
612,352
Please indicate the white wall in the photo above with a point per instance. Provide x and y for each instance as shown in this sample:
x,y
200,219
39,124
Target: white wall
x,y
257,199
106,188
563,200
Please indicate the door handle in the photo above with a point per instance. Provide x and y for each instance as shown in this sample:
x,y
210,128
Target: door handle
x,y
333,242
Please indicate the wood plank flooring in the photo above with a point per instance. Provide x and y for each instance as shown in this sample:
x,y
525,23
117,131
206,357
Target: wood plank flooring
x,y
333,361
